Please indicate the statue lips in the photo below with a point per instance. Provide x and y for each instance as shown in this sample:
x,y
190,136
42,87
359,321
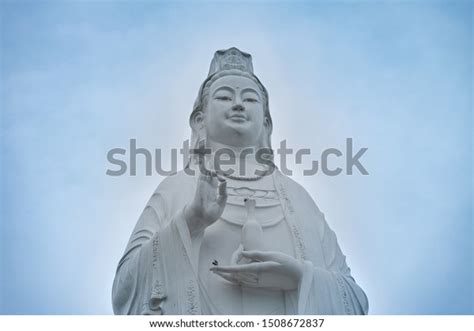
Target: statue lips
x,y
238,118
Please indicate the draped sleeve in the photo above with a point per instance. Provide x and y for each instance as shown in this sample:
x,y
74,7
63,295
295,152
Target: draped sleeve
x,y
331,289
327,286
140,284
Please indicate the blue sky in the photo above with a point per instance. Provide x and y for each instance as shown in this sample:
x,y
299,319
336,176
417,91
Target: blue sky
x,y
80,78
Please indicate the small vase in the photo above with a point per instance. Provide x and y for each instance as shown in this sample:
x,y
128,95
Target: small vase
x,y
252,233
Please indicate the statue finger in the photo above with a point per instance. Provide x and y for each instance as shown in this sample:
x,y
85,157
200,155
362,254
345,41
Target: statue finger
x,y
239,279
265,256
228,278
222,192
251,267
203,168
205,176
236,256
247,277
220,176
212,178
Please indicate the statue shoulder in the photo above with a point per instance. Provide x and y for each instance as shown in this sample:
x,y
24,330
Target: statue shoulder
x,y
172,194
296,190
311,216
175,183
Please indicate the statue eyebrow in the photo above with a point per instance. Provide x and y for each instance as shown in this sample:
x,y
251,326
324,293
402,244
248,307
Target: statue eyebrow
x,y
227,88
249,89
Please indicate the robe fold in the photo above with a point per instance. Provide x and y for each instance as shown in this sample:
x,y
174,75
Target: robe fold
x,y
158,273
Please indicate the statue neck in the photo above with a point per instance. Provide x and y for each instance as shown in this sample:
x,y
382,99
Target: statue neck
x,y
239,152
242,159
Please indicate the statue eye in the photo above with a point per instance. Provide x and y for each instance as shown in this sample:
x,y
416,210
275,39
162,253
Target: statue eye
x,y
223,98
252,100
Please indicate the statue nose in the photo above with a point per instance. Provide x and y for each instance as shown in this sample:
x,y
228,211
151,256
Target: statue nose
x,y
238,107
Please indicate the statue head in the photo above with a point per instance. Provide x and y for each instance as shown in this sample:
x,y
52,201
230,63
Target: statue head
x,y
232,104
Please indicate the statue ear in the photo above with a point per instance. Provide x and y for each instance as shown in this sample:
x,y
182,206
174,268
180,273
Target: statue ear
x,y
267,123
197,120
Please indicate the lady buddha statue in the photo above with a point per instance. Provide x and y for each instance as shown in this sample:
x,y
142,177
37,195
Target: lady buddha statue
x,y
241,240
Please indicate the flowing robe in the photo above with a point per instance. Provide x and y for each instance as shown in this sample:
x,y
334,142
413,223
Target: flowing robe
x,y
158,273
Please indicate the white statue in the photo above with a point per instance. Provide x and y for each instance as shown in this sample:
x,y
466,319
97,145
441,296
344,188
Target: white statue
x,y
248,242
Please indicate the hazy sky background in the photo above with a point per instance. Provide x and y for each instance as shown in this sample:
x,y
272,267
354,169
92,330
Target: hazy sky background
x,y
80,78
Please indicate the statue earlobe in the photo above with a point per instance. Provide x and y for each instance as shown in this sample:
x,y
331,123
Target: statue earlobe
x,y
267,123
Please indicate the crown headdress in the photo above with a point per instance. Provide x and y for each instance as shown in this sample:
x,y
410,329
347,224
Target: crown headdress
x,y
231,58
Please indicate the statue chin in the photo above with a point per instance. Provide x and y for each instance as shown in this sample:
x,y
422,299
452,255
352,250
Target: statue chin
x,y
237,134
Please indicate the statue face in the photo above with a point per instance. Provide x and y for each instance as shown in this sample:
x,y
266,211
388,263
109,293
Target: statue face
x,y
234,112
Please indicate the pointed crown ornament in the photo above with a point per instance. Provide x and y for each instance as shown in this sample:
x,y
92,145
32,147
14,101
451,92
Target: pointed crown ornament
x,y
229,59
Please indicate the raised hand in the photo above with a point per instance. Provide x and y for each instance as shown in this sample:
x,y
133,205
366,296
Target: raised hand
x,y
208,203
